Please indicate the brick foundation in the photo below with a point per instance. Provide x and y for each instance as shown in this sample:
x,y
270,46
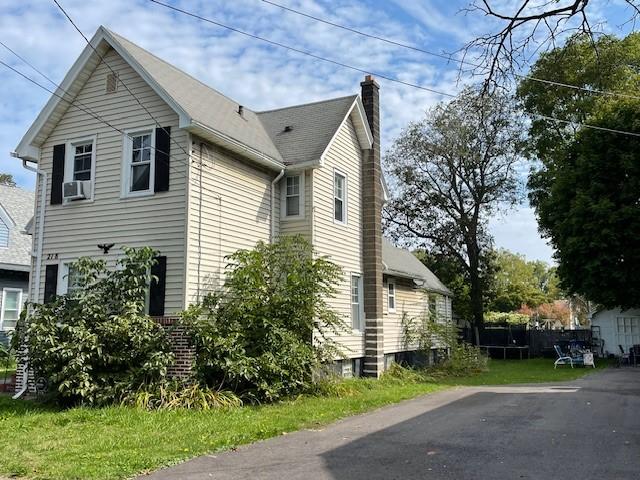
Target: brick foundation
x,y
180,345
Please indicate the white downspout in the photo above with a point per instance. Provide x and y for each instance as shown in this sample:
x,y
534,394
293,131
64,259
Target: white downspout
x,y
33,296
273,204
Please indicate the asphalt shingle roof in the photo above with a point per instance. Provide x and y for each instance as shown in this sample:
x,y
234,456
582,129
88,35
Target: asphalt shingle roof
x,y
302,132
402,263
203,104
19,206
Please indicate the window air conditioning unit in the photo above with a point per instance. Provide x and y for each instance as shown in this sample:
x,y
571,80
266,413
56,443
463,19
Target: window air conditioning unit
x,y
73,190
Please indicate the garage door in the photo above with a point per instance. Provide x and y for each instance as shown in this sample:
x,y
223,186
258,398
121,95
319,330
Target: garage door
x,y
628,331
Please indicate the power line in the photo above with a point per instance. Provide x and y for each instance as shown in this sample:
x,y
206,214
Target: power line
x,y
115,73
302,52
88,112
391,79
447,57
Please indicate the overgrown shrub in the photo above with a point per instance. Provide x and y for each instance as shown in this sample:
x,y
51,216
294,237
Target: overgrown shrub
x,y
263,335
427,332
96,343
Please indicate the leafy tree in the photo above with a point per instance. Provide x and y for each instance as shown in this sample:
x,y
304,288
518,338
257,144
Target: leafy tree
x,y
519,282
95,344
454,169
7,179
449,270
270,327
585,189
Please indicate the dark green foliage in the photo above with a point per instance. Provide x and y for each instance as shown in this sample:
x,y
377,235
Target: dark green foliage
x,y
585,190
96,343
7,179
266,332
591,212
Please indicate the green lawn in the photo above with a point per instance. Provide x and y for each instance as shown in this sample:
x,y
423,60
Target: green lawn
x,y
118,442
7,368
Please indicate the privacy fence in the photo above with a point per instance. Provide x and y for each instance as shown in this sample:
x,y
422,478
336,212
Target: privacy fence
x,y
540,342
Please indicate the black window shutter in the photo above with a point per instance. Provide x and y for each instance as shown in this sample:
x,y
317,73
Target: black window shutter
x,y
57,174
157,288
163,148
50,283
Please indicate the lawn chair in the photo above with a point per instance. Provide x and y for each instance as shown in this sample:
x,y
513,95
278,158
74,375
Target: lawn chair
x,y
563,359
624,357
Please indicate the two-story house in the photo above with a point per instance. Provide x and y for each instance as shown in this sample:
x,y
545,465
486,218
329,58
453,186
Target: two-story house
x,y
133,151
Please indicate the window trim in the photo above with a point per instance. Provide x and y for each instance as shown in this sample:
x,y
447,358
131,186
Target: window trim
x,y
19,305
127,150
69,165
283,197
345,198
361,319
394,296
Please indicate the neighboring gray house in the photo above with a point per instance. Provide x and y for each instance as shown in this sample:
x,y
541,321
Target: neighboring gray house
x,y
16,212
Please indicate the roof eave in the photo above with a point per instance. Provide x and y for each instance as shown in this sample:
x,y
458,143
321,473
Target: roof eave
x,y
363,131
234,145
417,278
28,149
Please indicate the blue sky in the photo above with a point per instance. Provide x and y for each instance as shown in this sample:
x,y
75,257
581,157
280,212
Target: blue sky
x,y
259,75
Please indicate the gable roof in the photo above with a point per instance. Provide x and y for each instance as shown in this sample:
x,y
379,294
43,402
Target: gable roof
x,y
18,205
302,133
402,263
206,112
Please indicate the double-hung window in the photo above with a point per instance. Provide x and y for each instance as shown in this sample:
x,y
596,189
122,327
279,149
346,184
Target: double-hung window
x,y
293,197
357,313
139,162
11,308
391,296
82,161
68,281
339,197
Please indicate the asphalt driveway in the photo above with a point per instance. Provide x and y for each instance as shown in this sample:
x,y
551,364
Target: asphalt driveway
x,y
587,429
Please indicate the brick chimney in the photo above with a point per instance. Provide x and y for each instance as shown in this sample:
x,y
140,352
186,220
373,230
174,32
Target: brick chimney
x,y
372,198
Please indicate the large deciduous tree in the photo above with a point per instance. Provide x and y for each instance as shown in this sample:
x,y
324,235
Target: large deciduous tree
x,y
585,190
453,170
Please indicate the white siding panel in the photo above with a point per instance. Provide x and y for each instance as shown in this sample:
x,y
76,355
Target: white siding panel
x,y
75,229
341,243
229,210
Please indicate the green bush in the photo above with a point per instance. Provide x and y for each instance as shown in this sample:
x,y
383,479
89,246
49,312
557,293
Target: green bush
x,y
269,328
512,318
427,333
96,343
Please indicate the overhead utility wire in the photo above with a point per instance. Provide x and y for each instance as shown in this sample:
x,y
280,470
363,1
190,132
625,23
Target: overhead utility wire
x,y
88,112
386,77
115,73
447,57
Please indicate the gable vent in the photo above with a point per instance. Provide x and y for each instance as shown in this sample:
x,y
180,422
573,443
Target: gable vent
x,y
112,82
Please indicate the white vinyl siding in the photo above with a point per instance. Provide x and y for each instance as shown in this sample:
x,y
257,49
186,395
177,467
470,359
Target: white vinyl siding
x,y
11,308
341,243
300,225
75,229
412,303
229,209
